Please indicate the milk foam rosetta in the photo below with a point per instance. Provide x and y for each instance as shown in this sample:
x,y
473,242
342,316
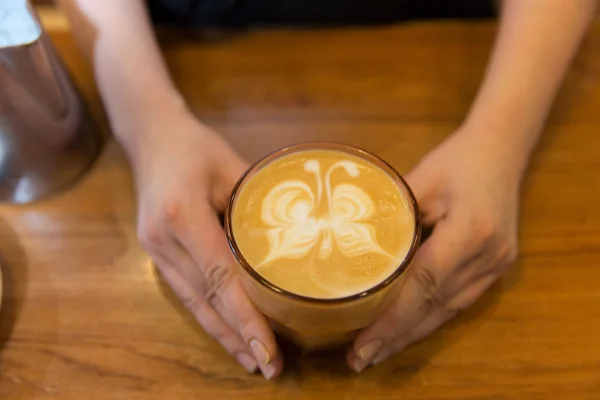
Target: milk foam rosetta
x,y
322,223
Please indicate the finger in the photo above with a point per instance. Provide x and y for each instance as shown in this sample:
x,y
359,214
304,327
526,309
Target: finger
x,y
437,318
355,363
442,255
223,290
200,304
481,267
248,354
272,369
236,308
212,323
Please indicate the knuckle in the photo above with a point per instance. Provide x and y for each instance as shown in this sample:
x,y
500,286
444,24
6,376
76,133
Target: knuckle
x,y
243,323
149,235
450,311
217,278
507,254
192,301
429,285
511,253
389,324
170,213
485,230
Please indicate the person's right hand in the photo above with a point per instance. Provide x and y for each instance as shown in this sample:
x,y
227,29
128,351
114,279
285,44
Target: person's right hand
x,y
184,174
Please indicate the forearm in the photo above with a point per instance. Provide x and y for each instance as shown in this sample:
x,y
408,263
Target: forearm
x,y
534,48
133,80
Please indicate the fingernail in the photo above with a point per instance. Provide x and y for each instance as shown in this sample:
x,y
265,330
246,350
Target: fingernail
x,y
369,350
268,371
359,364
246,361
260,352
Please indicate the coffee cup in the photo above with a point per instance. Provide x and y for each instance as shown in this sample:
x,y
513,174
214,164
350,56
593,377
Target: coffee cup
x,y
323,234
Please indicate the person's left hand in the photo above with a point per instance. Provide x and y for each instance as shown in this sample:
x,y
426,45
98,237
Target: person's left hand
x,y
468,191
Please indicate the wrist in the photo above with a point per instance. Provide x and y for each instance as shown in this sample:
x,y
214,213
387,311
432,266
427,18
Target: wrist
x,y
147,122
506,147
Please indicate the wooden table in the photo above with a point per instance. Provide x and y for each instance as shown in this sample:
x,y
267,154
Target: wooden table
x,y
85,316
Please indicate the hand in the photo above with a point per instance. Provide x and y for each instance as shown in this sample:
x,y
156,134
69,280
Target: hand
x,y
184,173
468,190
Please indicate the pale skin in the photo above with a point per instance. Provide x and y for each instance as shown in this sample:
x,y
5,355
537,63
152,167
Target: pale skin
x,y
467,187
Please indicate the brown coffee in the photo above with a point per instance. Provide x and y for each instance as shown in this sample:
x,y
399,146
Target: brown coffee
x,y
323,223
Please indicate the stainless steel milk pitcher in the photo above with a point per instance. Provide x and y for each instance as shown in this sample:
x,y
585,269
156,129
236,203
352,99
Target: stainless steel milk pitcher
x,y
47,138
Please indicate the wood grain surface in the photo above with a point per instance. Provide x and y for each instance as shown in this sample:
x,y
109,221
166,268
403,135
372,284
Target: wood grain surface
x,y
86,317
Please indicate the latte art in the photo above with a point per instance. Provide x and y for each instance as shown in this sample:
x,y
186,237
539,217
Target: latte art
x,y
322,223
289,209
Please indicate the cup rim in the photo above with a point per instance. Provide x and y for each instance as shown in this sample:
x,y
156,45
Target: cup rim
x,y
316,145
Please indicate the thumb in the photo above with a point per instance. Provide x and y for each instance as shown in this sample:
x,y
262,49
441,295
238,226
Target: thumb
x,y
230,170
427,187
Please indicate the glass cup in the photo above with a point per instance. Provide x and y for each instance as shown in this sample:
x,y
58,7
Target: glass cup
x,y
316,323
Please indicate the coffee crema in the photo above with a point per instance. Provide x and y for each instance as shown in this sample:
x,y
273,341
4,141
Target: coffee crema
x,y
323,223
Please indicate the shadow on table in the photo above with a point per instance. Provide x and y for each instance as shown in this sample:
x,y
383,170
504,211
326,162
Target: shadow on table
x,y
14,280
